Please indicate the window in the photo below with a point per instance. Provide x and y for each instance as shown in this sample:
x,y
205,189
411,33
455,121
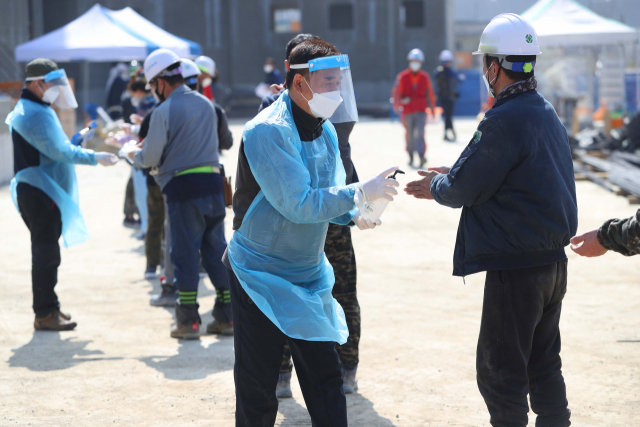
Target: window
x,y
341,16
412,14
287,20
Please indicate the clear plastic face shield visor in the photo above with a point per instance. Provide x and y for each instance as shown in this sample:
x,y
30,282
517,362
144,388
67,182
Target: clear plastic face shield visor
x,y
332,87
58,82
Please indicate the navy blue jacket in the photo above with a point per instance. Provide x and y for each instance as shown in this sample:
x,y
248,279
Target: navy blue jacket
x,y
516,187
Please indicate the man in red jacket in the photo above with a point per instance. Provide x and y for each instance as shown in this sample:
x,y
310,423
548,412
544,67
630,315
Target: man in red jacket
x,y
412,87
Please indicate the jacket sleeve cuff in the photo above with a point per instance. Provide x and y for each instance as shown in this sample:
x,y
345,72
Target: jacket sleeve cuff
x,y
602,236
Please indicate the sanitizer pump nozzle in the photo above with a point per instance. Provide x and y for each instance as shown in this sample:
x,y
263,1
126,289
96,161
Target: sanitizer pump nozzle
x,y
373,210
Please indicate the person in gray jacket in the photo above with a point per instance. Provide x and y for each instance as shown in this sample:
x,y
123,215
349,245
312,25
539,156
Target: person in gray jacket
x,y
182,147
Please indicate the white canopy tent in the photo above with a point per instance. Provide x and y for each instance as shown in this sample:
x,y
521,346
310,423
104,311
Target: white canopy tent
x,y
104,35
568,23
573,40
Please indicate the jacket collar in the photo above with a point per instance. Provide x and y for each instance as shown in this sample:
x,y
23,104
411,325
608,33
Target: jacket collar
x,y
518,88
179,90
309,127
30,96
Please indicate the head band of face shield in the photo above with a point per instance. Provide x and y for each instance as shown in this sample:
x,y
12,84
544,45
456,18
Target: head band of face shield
x,y
337,61
50,77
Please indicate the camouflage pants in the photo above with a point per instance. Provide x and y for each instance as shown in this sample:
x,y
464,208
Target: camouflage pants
x,y
153,237
129,200
339,250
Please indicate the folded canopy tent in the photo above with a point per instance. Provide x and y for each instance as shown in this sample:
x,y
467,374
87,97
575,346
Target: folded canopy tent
x,y
572,29
104,35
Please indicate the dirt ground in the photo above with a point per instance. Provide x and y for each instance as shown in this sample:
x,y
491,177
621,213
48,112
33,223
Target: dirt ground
x,y
419,323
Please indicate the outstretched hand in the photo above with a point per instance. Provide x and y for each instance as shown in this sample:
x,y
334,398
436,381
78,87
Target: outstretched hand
x,y
421,189
587,244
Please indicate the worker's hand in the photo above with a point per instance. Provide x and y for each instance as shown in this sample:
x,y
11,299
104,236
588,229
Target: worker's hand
x,y
421,189
381,187
128,150
440,169
365,224
405,100
587,244
136,119
106,159
276,89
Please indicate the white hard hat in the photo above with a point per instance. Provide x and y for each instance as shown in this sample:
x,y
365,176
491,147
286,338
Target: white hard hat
x,y
189,68
415,55
158,61
206,65
446,56
508,34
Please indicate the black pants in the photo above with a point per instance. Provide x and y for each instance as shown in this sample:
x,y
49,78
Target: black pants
x,y
42,217
258,351
519,346
447,110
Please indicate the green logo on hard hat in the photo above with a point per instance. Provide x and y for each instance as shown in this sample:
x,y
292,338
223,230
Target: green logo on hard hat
x,y
528,38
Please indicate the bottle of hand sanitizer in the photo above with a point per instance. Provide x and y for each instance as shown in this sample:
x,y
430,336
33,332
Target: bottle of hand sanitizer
x,y
373,210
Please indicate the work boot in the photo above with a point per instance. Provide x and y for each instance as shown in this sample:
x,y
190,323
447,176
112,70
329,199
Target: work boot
x,y
222,328
283,389
188,322
349,381
63,315
167,298
423,161
54,322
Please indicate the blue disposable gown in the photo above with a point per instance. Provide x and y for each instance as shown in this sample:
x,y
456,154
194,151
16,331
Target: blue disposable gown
x,y
278,252
39,125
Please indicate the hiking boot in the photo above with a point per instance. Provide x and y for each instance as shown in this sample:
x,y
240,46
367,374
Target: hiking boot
x,y
54,322
187,322
349,381
222,328
283,389
186,332
167,298
150,272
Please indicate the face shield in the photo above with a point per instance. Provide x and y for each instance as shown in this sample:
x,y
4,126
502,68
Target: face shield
x,y
330,82
59,93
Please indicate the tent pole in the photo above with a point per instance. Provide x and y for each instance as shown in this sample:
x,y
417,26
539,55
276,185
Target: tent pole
x,y
85,82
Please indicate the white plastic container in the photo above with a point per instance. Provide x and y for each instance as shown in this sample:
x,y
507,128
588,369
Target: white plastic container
x,y
373,210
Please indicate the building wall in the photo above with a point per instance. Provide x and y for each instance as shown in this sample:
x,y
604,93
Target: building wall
x,y
239,35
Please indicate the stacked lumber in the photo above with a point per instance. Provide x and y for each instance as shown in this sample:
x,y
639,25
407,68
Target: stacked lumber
x,y
619,172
